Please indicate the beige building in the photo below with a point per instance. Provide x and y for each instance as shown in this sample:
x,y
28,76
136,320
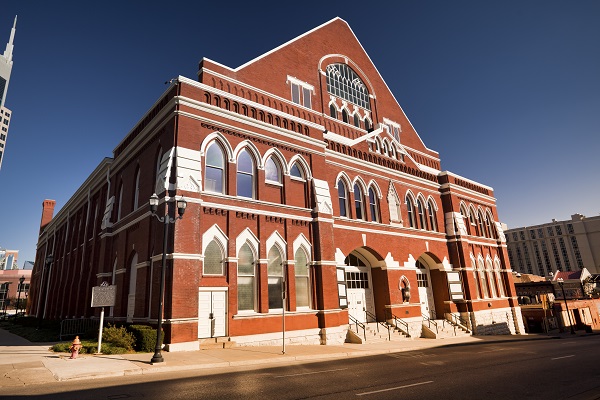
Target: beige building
x,y
567,245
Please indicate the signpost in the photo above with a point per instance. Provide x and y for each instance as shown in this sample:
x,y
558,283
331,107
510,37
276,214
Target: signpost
x,y
104,295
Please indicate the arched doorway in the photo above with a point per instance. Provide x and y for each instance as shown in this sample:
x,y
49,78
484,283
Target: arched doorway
x,y
359,287
426,297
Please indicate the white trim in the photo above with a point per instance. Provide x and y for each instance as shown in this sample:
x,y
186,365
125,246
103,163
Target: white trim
x,y
213,288
363,229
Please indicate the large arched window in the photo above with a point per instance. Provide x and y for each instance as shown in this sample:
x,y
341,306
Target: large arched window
x,y
431,215
488,226
482,278
345,115
215,169
464,214
358,203
472,224
246,279
343,198
213,259
499,280
245,175
136,193
275,278
296,172
411,212
272,171
421,210
491,279
480,224
373,206
302,279
332,111
476,277
343,82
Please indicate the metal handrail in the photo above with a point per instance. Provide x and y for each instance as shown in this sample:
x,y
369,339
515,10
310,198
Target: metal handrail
x,y
402,322
369,315
429,322
358,324
457,319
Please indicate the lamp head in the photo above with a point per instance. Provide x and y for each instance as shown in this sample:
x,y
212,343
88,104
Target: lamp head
x,y
153,203
181,205
49,259
22,279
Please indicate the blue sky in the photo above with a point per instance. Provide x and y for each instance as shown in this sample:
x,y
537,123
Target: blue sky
x,y
507,91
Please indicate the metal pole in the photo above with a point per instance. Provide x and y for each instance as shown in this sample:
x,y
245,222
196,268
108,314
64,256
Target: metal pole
x,y
18,300
283,296
100,331
157,350
562,288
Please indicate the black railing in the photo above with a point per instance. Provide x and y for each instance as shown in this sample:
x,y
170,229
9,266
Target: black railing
x,y
358,324
78,326
430,322
374,318
458,320
397,321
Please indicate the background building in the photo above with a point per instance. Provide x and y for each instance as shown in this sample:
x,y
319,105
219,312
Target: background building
x,y
544,307
12,293
6,64
8,259
308,190
556,246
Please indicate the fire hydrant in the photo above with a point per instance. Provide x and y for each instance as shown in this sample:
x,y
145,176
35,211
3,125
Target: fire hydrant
x,y
75,347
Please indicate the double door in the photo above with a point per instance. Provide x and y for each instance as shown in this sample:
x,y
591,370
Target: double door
x,y
212,313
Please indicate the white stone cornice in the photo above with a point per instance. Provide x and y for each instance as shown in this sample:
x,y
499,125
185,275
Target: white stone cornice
x,y
440,238
397,175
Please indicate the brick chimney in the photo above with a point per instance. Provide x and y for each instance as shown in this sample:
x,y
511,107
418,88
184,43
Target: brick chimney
x,y
47,213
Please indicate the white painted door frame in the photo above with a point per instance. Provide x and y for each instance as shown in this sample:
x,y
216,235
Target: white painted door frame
x,y
212,312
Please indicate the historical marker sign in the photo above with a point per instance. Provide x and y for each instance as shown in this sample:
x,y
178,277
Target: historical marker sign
x,y
104,296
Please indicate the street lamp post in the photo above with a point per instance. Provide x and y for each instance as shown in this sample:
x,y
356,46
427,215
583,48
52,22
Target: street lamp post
x,y
561,283
21,280
181,205
44,286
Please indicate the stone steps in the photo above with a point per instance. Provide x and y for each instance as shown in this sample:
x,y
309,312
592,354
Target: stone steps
x,y
444,330
216,343
373,336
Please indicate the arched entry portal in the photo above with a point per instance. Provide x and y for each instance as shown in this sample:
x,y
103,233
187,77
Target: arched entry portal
x,y
359,287
426,297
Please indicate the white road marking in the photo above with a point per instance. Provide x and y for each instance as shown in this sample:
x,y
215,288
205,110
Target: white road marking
x,y
311,373
394,388
558,358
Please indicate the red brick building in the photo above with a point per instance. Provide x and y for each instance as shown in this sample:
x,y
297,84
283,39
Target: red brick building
x,y
300,170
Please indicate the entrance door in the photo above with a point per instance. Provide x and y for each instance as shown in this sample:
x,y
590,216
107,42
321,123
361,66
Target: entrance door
x,y
356,303
212,311
425,293
360,295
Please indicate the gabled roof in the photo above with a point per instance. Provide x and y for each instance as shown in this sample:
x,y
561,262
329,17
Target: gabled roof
x,y
305,58
567,275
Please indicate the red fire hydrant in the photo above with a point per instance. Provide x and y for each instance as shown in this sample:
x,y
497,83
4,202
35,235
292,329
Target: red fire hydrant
x,y
75,347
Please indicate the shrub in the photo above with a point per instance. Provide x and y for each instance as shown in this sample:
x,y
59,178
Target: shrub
x,y
118,336
145,338
89,347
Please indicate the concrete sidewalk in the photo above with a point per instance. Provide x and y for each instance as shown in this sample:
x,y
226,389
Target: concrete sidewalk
x,y
26,363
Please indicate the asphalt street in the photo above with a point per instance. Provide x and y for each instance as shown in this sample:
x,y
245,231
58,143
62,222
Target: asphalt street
x,y
549,369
